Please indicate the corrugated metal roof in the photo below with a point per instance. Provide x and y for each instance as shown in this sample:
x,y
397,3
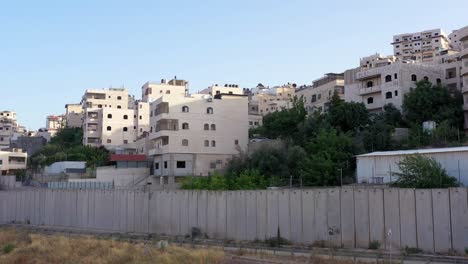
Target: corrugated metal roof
x,y
414,151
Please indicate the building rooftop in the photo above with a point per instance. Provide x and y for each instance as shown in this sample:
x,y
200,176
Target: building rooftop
x,y
414,151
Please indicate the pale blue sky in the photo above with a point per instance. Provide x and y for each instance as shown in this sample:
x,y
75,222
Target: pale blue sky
x,y
51,51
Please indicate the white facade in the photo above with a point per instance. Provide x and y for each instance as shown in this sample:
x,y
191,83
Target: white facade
x,y
420,46
54,124
9,129
377,167
10,161
73,115
152,91
196,134
269,100
318,96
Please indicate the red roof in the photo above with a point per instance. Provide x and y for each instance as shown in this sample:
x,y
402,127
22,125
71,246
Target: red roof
x,y
123,157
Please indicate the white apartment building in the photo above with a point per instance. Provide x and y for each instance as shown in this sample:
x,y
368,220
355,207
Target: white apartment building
x,y
196,134
11,161
108,118
388,83
73,115
153,90
54,124
317,97
420,46
9,128
272,99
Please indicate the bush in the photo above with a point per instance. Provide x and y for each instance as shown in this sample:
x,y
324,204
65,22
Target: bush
x,y
374,244
247,180
412,250
8,248
418,171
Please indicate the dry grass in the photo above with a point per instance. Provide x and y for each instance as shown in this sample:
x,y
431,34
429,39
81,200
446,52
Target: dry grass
x,y
35,248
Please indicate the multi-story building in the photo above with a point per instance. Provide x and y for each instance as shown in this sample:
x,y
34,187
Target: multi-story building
x,y
388,83
269,100
420,46
317,97
11,161
108,118
196,134
9,129
153,90
54,123
74,115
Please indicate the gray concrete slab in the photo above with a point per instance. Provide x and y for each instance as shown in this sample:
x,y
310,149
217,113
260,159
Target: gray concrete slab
x,y
347,217
424,220
392,219
184,213
116,212
153,219
361,218
211,214
308,216
295,203
408,218
139,208
251,215
334,216
376,216
272,214
231,215
175,213
202,210
459,217
221,215
261,215
284,218
240,215
130,211
193,209
320,216
441,214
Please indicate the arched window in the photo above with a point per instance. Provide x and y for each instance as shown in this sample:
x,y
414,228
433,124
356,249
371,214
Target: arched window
x,y
207,143
125,129
388,95
125,116
414,78
151,129
213,143
184,142
396,92
370,100
395,77
426,78
370,84
185,109
109,128
119,107
213,127
109,115
439,81
388,78
209,110
206,127
185,126
119,97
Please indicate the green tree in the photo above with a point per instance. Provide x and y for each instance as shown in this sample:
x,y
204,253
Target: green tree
x,y
347,116
433,103
418,171
328,153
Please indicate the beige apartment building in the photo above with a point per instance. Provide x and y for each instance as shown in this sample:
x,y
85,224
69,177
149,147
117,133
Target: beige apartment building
x,y
272,99
317,97
153,90
11,161
9,129
54,123
196,134
420,46
381,85
73,115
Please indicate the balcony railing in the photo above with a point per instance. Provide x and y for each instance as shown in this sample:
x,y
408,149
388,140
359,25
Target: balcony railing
x,y
369,90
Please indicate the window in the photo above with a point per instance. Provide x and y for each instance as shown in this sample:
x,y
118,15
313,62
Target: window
x,y
185,142
414,78
319,96
165,164
99,106
388,78
119,107
160,91
213,143
426,78
250,123
185,126
209,110
125,141
119,97
439,81
125,116
395,76
207,143
388,95
180,164
125,129
168,92
314,98
156,166
109,115
109,128
396,92
140,117
185,109
236,142
370,100
213,127
370,84
206,127
109,141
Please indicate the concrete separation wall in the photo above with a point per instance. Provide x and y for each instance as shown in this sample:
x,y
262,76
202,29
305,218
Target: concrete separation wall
x,y
432,220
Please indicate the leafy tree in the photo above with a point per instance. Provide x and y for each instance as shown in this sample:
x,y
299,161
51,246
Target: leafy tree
x,y
347,116
328,152
418,171
378,136
392,116
433,103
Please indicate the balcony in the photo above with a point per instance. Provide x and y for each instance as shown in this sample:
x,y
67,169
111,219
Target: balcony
x,y
370,90
464,53
370,73
464,71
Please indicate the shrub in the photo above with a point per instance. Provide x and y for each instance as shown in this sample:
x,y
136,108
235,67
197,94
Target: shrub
x,y
374,244
412,250
8,248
